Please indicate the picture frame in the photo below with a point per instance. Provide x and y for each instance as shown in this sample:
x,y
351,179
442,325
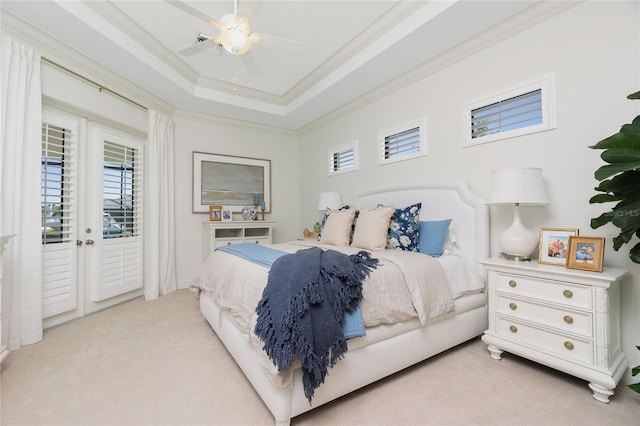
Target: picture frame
x,y
230,181
215,213
227,214
586,253
554,244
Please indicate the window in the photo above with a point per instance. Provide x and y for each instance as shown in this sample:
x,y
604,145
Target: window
x,y
526,109
57,189
343,159
402,143
121,191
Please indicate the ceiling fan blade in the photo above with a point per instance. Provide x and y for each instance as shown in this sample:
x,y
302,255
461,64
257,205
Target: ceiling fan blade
x,y
249,7
270,40
250,64
193,12
199,47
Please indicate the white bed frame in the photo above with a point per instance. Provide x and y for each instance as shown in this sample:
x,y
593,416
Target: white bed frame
x,y
365,364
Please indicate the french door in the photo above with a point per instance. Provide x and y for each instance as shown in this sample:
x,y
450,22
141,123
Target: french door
x,y
91,215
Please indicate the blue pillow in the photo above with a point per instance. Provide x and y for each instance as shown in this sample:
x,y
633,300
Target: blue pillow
x,y
432,236
404,228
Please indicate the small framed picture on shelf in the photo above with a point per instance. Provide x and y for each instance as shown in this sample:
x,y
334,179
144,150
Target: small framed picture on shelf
x,y
586,253
215,213
554,245
227,215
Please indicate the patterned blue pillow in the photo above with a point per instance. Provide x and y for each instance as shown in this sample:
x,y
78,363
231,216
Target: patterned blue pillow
x,y
432,236
404,228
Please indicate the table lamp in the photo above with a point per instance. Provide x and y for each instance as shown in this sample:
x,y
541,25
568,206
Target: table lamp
x,y
329,200
518,187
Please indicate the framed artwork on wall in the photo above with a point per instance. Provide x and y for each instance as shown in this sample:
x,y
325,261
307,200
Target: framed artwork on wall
x,y
554,245
234,182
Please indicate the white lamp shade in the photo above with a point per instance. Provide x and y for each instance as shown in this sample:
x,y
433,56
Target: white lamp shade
x,y
518,186
331,200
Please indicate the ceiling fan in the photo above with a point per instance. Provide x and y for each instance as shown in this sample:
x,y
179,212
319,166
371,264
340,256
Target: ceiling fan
x,y
234,31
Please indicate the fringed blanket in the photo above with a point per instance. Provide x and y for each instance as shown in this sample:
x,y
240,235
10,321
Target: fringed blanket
x,y
302,309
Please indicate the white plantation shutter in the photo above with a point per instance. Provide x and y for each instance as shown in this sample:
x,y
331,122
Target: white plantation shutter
x,y
343,159
402,143
59,163
509,114
517,111
122,215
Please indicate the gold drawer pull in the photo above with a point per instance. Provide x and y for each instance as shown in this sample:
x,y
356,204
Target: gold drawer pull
x,y
568,345
568,319
513,329
512,283
568,294
513,306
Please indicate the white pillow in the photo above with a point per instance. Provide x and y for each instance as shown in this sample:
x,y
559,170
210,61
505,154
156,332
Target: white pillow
x,y
372,228
337,228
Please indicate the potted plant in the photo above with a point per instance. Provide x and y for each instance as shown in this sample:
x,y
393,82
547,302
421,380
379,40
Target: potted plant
x,y
620,182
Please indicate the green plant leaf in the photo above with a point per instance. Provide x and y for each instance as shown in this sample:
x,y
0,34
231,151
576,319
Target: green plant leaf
x,y
627,214
613,169
634,255
601,220
631,129
603,198
634,96
626,184
618,140
621,155
635,387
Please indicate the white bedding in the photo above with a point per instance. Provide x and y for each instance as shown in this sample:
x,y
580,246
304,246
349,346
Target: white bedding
x,y
404,286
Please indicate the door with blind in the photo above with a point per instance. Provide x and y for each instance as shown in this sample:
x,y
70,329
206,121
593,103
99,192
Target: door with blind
x,y
114,246
91,193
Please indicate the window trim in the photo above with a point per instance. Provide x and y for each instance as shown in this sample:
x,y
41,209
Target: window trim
x,y
545,83
353,145
383,134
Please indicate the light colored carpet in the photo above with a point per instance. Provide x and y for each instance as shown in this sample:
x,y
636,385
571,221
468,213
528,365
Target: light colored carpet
x,y
159,363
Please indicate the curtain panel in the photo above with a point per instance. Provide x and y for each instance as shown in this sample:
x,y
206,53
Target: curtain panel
x,y
20,151
159,234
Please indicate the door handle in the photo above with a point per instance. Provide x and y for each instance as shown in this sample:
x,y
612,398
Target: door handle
x,y
89,242
79,243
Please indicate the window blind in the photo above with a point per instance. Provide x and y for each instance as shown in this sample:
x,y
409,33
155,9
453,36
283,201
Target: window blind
x,y
506,115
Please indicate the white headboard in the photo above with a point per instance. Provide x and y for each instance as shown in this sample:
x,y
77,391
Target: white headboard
x,y
447,199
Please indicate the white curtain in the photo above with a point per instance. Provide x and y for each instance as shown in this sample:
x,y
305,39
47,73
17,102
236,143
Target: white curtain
x,y
20,150
159,247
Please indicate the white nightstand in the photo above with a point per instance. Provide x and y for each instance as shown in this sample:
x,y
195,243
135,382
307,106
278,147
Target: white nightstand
x,y
564,318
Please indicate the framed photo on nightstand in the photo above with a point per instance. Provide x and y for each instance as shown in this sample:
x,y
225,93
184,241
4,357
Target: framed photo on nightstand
x,y
554,245
586,253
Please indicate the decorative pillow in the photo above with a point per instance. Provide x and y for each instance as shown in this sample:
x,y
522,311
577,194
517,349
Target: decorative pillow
x,y
372,228
337,228
327,212
404,228
432,236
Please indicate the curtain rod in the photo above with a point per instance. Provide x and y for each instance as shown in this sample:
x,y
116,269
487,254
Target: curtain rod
x,y
100,87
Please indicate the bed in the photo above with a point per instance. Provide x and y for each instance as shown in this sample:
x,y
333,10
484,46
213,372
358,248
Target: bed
x,y
387,347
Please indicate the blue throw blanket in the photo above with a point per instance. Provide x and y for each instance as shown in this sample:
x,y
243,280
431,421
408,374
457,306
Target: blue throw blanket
x,y
353,324
302,309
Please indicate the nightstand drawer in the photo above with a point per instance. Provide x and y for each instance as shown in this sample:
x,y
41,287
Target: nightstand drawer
x,y
562,319
553,291
567,347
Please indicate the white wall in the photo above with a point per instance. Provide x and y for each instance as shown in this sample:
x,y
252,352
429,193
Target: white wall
x,y
205,134
593,49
